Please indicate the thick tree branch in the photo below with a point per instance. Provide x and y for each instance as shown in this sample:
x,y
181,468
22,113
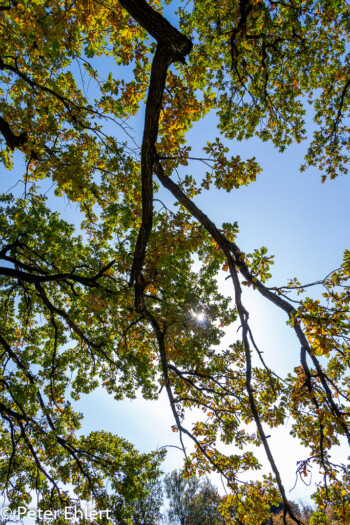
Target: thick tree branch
x,y
172,46
13,141
160,65
157,26
34,278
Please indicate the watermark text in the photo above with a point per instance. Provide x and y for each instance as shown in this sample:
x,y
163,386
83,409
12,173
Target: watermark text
x,y
68,513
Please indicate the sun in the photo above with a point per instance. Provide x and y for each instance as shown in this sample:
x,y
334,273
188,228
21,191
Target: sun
x,y
199,316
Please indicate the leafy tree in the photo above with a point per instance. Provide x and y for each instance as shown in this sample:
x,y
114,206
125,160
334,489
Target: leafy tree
x,y
113,302
204,506
192,501
180,493
147,509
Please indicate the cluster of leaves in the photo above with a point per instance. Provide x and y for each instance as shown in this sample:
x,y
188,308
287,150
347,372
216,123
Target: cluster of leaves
x,y
263,57
227,173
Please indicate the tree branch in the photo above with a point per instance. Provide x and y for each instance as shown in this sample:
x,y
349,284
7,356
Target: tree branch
x,y
13,141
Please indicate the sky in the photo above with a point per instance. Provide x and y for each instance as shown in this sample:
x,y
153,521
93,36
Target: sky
x,y
302,222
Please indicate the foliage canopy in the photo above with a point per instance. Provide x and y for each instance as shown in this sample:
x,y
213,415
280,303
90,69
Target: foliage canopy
x,y
112,304
192,501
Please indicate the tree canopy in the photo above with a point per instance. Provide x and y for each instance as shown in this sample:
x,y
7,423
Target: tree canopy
x,y
113,301
180,493
147,510
192,501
